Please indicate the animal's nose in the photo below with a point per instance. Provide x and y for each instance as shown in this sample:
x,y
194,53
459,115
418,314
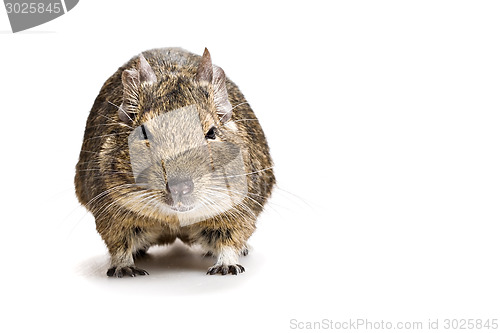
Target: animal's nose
x,y
180,186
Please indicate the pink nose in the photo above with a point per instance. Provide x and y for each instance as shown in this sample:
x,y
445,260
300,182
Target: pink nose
x,y
180,187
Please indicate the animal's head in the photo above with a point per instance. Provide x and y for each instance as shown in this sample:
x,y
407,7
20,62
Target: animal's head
x,y
182,154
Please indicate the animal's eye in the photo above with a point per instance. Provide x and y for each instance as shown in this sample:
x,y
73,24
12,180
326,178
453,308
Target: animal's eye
x,y
210,134
144,134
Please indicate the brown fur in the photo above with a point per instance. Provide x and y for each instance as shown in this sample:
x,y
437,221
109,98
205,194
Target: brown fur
x,y
104,182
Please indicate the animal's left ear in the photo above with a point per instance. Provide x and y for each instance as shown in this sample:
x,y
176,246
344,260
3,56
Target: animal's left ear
x,y
215,75
146,73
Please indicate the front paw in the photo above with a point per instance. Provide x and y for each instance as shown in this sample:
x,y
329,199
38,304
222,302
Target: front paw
x,y
226,269
125,271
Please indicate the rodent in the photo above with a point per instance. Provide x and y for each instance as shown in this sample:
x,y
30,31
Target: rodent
x,y
172,149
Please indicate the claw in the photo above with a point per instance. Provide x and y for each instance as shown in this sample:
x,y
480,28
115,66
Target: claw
x,y
226,269
213,270
125,271
111,271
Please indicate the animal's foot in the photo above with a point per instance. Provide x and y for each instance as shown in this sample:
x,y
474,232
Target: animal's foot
x,y
125,271
226,269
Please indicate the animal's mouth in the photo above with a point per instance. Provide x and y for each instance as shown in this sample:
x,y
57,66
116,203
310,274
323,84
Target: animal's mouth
x,y
181,208
178,203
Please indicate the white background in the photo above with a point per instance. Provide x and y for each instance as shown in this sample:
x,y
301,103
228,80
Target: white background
x,y
383,121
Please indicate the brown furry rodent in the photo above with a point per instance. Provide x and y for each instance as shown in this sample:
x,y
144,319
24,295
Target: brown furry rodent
x,y
188,188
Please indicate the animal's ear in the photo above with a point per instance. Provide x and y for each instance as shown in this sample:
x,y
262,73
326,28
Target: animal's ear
x,y
146,72
205,70
131,81
224,107
215,75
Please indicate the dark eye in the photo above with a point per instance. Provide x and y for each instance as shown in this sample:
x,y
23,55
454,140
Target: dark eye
x,y
210,134
144,134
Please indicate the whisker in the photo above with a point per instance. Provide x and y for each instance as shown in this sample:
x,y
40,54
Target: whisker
x,y
105,135
118,203
95,201
119,108
243,174
107,171
106,192
240,203
237,120
269,203
234,107
279,188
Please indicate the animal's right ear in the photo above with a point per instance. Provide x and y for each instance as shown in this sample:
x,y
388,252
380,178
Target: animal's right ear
x,y
131,82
